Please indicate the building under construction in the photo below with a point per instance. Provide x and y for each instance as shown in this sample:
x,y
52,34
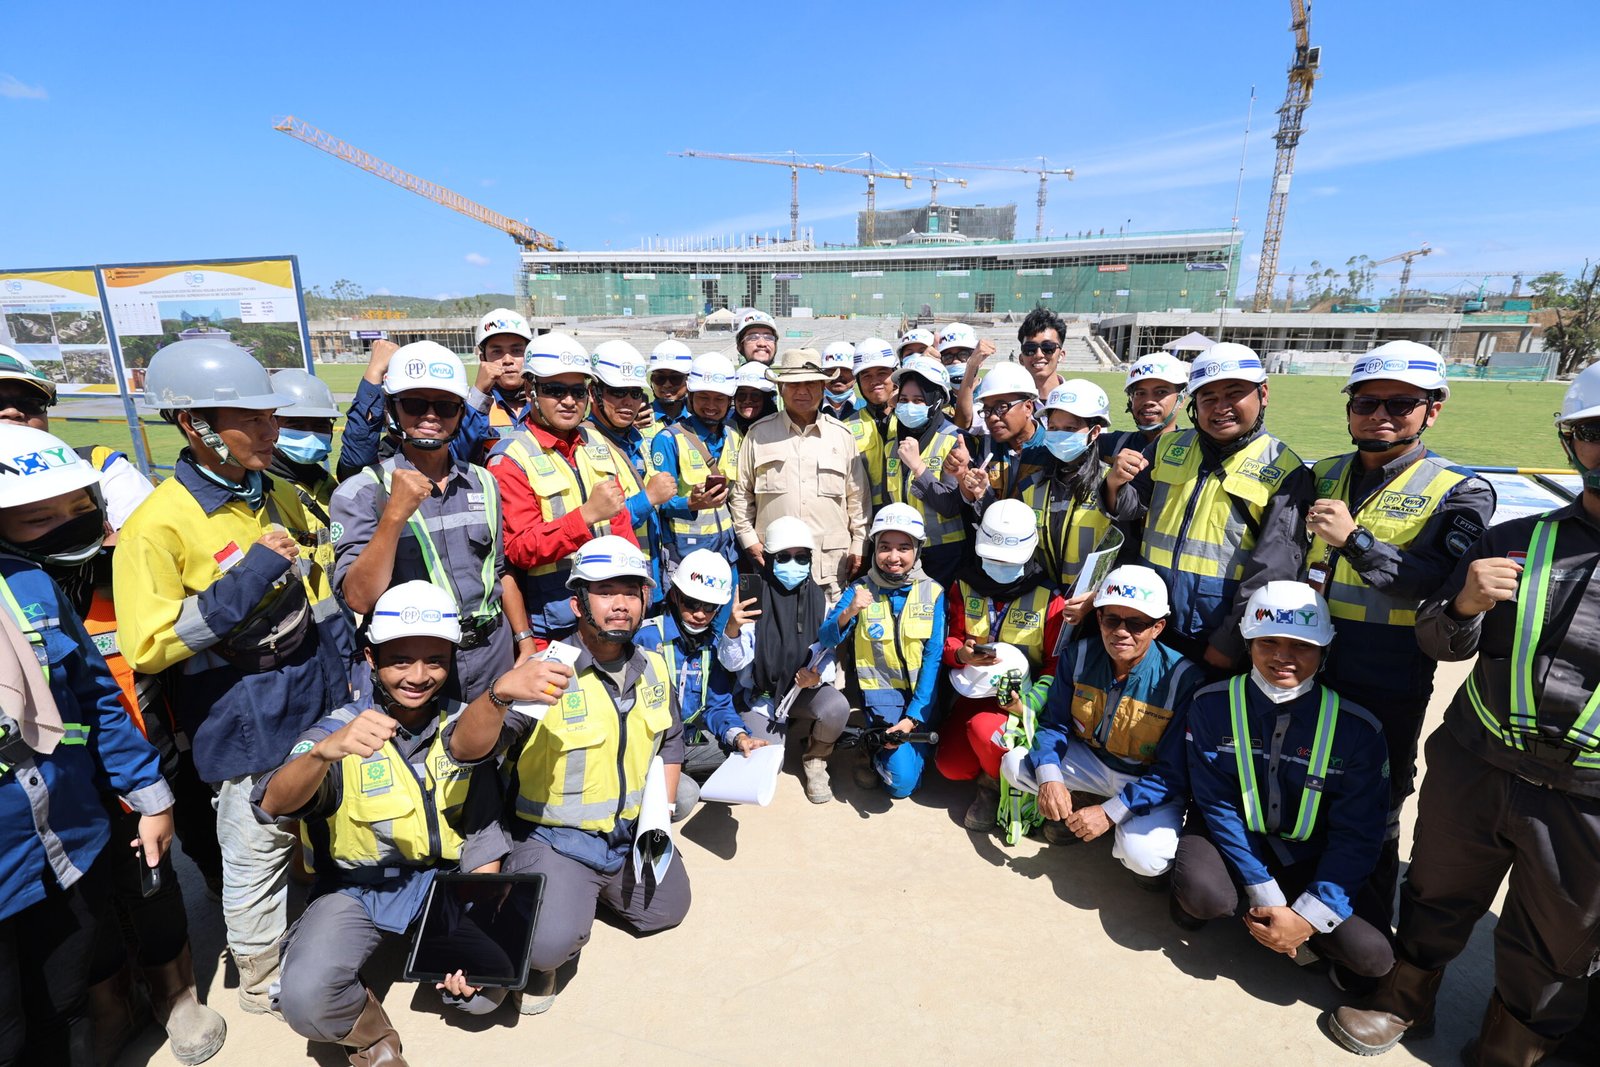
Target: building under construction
x,y
937,221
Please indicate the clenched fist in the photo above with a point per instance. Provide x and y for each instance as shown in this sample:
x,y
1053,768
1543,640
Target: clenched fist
x,y
606,499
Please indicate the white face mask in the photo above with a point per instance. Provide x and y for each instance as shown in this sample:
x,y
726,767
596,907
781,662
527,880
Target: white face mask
x,y
1277,694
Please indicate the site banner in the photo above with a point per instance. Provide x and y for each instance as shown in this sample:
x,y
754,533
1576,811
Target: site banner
x,y
54,317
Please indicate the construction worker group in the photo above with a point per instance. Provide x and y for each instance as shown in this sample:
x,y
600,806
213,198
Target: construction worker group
x,y
511,607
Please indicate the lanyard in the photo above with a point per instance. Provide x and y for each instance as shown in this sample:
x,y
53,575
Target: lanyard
x,y
1316,768
680,671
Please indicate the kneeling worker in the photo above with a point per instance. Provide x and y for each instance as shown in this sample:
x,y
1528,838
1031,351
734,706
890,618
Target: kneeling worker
x,y
382,807
617,715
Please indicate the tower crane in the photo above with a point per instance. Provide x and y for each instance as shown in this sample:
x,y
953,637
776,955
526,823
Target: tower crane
x,y
1405,273
1043,170
1302,74
520,232
935,179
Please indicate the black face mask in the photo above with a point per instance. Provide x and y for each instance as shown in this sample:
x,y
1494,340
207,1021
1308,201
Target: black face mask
x,y
71,543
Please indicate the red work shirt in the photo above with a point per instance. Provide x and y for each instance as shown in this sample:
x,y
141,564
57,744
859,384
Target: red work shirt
x,y
955,634
531,540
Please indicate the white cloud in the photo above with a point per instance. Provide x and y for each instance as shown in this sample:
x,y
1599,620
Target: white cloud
x,y
477,259
381,292
487,182
13,89
447,296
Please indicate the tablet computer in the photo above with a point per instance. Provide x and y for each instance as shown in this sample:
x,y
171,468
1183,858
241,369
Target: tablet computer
x,y
479,924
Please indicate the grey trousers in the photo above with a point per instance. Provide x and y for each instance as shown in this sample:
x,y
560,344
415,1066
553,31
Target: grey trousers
x,y
824,706
573,893
700,760
319,989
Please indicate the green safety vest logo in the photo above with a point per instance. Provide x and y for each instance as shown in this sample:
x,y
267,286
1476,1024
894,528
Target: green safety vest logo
x,y
1327,486
1401,503
376,775
574,707
336,531
1176,453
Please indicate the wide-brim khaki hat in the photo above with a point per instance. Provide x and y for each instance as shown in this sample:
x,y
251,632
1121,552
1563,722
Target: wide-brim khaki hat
x,y
799,365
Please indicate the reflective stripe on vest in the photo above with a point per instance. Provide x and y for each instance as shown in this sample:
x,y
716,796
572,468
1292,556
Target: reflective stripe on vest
x,y
889,647
1069,530
1533,597
1316,768
1395,514
29,630
585,763
1192,525
693,470
870,443
387,814
438,574
1022,624
630,478
560,487
678,671
940,529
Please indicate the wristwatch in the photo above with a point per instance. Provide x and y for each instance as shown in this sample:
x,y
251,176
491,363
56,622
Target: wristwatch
x,y
1361,541
521,635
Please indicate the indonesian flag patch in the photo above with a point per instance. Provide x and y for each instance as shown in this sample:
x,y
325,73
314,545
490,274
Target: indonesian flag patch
x,y
228,556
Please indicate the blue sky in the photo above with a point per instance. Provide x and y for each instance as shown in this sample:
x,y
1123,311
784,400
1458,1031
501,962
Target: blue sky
x,y
143,132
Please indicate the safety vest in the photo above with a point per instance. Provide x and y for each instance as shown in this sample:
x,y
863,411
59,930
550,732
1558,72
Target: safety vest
x,y
1069,529
73,733
584,764
1316,768
1022,624
560,487
417,526
889,647
389,815
1395,514
1533,600
694,466
1123,723
632,481
870,443
681,670
941,529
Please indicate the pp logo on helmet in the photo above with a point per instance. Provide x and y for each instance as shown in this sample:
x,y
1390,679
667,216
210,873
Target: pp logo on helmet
x,y
415,368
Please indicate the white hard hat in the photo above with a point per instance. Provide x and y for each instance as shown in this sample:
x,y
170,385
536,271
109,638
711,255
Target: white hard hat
x,y
748,317
1287,609
551,354
704,575
671,355
619,365
1161,367
609,557
918,336
208,374
957,335
787,532
902,517
1080,397
1009,532
1004,379
1400,361
714,373
874,352
838,355
1136,587
754,376
501,320
1582,400
979,683
35,466
425,365
1226,361
414,609
925,367
14,366
305,396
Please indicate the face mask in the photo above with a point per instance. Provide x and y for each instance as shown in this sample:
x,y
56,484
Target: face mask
x,y
1277,694
1004,573
1163,424
1066,445
842,396
791,573
303,446
72,542
912,416
957,373
686,628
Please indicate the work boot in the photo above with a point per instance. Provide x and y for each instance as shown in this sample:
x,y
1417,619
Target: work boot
x,y
814,769
118,1013
256,975
1504,1041
539,994
867,776
1181,918
1402,1004
1056,833
372,1041
195,1033
985,807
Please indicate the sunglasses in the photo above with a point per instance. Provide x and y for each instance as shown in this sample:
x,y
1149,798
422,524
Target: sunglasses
x,y
27,405
690,604
417,407
668,378
1397,406
792,557
625,393
1112,623
561,392
1000,411
1049,348
1587,432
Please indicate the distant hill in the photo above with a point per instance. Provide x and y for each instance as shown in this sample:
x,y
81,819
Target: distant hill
x,y
320,306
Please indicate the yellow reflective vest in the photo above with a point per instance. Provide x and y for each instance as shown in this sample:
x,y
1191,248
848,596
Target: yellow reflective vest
x,y
941,529
560,487
888,648
632,482
1069,529
694,466
874,452
1022,624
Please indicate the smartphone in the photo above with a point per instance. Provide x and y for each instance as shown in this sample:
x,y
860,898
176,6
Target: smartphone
x,y
749,586
715,482
149,877
985,650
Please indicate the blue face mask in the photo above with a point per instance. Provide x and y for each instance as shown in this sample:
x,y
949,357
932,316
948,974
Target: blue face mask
x,y
1004,573
303,446
1066,445
791,573
911,416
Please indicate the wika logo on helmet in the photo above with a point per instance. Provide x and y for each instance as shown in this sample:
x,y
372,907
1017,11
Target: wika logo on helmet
x,y
710,581
1127,592
39,462
1288,616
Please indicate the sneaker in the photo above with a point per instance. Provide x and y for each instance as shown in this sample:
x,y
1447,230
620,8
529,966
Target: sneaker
x,y
539,994
814,772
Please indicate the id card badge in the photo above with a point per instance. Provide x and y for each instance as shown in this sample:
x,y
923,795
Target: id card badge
x,y
1317,576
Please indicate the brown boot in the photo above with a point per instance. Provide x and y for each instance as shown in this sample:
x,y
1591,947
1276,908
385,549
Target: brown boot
x,y
372,1041
984,811
195,1033
1402,1004
256,975
1504,1041
118,1012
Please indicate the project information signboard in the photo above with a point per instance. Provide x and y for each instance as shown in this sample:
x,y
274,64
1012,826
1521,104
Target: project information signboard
x,y
55,319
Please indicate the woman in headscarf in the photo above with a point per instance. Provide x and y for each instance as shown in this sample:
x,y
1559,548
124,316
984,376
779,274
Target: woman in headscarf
x,y
914,468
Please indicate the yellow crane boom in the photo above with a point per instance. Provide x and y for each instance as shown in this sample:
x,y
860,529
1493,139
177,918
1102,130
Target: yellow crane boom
x,y
1291,116
520,232
1043,170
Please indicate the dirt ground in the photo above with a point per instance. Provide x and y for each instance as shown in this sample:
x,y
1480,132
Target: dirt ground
x,y
870,930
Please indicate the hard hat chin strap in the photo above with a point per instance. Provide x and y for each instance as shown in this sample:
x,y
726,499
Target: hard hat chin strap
x,y
621,637
211,439
1590,475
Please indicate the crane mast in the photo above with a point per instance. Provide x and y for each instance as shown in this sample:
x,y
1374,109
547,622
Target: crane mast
x,y
1043,170
1291,116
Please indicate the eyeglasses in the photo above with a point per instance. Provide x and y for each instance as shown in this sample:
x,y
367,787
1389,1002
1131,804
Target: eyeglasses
x,y
1000,411
794,556
1049,348
954,355
1396,406
627,393
1587,432
417,407
1112,623
560,392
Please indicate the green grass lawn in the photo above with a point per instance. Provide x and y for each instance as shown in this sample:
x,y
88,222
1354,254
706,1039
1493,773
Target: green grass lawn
x,y
1494,424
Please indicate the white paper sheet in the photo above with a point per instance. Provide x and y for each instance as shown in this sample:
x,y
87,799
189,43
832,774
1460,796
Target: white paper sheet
x,y
751,779
560,653
822,661
652,838
1098,563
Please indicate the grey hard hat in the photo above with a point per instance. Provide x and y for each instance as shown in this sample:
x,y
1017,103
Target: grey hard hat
x,y
207,374
304,395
